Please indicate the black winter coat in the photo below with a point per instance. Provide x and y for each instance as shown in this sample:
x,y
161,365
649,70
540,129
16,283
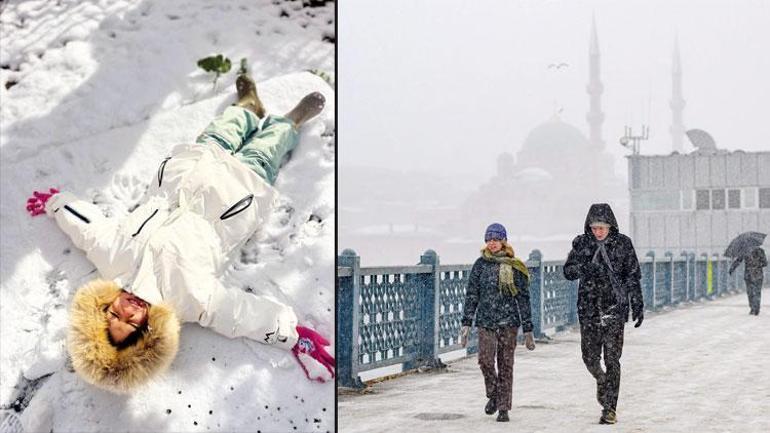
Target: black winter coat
x,y
755,261
494,309
596,296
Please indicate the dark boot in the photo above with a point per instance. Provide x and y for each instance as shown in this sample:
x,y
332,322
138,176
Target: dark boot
x,y
503,416
491,407
308,107
247,95
608,417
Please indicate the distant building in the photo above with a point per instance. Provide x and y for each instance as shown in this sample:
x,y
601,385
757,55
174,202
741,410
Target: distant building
x,y
698,201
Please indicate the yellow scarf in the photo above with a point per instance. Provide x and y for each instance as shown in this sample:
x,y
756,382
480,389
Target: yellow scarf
x,y
508,261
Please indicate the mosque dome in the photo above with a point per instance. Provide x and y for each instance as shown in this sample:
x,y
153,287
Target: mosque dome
x,y
554,137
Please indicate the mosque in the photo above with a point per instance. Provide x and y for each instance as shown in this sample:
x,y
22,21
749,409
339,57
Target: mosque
x,y
553,178
686,201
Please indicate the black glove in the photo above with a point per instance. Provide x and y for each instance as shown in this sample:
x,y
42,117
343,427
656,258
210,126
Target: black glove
x,y
637,310
592,270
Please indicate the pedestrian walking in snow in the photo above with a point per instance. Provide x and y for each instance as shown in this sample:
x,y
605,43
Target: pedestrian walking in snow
x,y
498,298
161,264
605,262
753,274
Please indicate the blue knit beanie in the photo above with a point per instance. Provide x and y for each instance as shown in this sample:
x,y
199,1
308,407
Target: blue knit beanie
x,y
495,231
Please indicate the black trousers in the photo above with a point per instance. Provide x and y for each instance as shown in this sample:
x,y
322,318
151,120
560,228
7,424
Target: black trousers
x,y
754,292
607,337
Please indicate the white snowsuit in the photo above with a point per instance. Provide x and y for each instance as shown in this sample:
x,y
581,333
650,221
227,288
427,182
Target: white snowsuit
x,y
202,205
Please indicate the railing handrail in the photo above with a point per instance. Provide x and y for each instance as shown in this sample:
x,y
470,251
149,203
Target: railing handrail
x,y
344,271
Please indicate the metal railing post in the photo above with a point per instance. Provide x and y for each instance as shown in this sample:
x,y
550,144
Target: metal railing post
x,y
429,307
348,319
651,254
670,256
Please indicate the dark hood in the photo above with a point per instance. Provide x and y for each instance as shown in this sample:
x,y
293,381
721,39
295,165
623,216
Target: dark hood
x,y
601,212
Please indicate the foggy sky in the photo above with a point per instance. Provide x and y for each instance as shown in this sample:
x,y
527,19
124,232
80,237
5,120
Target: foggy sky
x,y
446,85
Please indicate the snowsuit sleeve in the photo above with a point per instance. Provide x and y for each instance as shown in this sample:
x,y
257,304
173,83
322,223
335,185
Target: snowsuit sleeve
x,y
235,313
522,300
471,296
88,229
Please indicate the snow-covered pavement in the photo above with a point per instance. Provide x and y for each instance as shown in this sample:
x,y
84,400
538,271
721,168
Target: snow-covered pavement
x,y
701,368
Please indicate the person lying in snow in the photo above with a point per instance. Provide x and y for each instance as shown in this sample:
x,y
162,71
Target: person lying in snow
x,y
160,264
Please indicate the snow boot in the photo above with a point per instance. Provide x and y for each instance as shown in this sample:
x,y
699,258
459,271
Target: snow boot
x,y
308,107
608,417
491,407
247,95
503,416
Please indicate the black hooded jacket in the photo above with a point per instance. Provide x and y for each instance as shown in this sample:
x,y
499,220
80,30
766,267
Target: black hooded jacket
x,y
596,295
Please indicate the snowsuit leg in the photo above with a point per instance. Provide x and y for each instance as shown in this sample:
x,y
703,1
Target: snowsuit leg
x,y
265,150
261,145
595,338
498,345
231,128
754,292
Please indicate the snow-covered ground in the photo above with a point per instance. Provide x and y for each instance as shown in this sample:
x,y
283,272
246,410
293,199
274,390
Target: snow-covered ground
x,y
700,368
94,94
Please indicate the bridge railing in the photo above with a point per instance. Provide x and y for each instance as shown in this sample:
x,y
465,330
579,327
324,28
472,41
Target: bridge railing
x,y
411,314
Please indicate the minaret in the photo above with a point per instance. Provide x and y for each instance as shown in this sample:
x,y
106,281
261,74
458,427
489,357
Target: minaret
x,y
677,102
595,116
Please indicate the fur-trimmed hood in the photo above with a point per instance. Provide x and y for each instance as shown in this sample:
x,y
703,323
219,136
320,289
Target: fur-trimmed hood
x,y
99,362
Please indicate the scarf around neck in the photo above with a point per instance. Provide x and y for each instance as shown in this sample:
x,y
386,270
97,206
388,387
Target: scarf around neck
x,y
508,262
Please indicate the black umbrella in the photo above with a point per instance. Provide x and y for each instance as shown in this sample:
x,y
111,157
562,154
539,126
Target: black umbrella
x,y
743,243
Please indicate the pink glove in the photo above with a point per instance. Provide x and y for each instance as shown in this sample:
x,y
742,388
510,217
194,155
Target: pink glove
x,y
36,203
310,350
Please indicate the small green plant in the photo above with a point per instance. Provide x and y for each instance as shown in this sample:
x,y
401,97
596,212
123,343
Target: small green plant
x,y
217,64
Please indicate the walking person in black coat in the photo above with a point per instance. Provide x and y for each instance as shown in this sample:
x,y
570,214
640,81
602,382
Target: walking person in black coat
x,y
605,262
753,275
498,297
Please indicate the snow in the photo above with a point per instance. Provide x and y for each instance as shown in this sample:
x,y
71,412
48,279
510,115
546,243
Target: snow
x,y
94,94
702,367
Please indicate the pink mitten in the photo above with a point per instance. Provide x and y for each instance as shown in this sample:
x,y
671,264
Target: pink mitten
x,y
36,203
310,353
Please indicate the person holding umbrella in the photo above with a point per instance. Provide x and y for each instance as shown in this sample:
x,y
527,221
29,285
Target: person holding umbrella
x,y
747,248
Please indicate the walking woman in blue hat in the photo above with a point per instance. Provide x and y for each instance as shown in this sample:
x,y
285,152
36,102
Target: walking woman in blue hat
x,y
498,298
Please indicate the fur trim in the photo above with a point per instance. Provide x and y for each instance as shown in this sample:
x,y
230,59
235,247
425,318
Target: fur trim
x,y
99,362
